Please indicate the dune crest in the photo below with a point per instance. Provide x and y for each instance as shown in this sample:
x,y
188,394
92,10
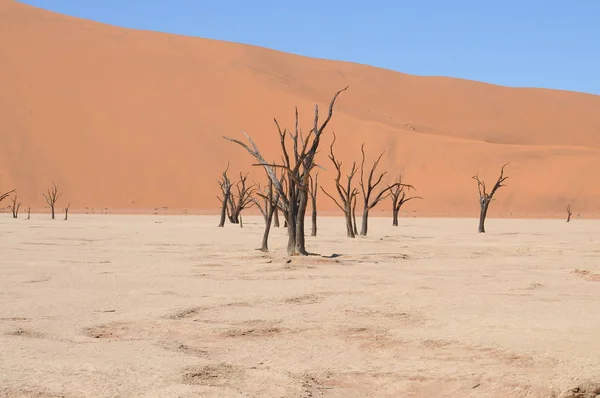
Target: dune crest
x,y
134,120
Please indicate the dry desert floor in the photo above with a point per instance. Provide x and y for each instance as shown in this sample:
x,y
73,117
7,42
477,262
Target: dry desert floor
x,y
171,306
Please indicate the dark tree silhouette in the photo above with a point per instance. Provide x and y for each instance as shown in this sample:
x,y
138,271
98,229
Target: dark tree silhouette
x,y
240,200
399,198
5,195
225,185
15,205
367,188
52,196
354,224
346,193
313,189
267,209
66,209
298,168
485,198
29,213
569,213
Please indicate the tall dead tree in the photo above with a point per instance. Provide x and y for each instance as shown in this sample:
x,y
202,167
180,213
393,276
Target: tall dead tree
x,y
15,205
368,189
298,168
485,198
52,196
346,193
399,198
569,213
66,209
312,190
240,200
225,186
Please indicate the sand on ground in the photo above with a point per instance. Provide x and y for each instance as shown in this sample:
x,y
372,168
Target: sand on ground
x,y
171,306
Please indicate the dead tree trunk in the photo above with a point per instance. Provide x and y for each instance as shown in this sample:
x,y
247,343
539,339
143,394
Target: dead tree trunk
x,y
268,209
52,196
29,213
225,185
276,217
346,193
354,224
485,198
368,189
15,205
399,198
569,213
298,168
67,211
313,187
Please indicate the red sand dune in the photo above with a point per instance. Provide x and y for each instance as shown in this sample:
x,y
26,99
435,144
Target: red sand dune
x,y
134,120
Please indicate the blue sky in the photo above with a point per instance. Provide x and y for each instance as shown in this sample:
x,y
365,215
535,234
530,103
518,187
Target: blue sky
x,y
523,43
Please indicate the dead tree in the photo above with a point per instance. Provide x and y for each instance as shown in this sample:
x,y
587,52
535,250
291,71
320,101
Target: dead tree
x,y
354,225
346,193
312,190
240,200
399,198
66,209
15,205
298,167
569,213
485,198
52,196
5,195
267,209
225,185
29,213
368,189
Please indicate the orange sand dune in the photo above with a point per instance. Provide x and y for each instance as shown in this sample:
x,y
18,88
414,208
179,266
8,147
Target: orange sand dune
x,y
134,120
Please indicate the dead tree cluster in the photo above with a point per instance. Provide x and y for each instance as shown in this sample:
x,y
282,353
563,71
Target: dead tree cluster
x,y
234,198
399,195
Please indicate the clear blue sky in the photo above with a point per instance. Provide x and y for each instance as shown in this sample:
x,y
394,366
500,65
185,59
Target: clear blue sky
x,y
524,43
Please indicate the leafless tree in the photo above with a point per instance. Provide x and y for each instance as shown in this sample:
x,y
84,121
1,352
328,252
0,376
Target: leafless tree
x,y
569,213
298,168
313,189
52,196
15,205
5,195
399,198
29,213
368,189
267,209
354,224
225,185
347,194
240,200
66,209
485,198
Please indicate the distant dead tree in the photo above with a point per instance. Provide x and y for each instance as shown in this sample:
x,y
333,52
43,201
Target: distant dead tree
x,y
52,196
267,209
569,213
240,200
346,193
15,205
485,198
225,185
399,198
66,209
368,189
29,213
312,190
298,168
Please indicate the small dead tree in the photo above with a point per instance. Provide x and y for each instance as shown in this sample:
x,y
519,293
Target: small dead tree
x,y
569,213
312,190
15,205
225,186
66,209
399,198
29,213
347,193
240,200
485,198
368,189
298,167
52,196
